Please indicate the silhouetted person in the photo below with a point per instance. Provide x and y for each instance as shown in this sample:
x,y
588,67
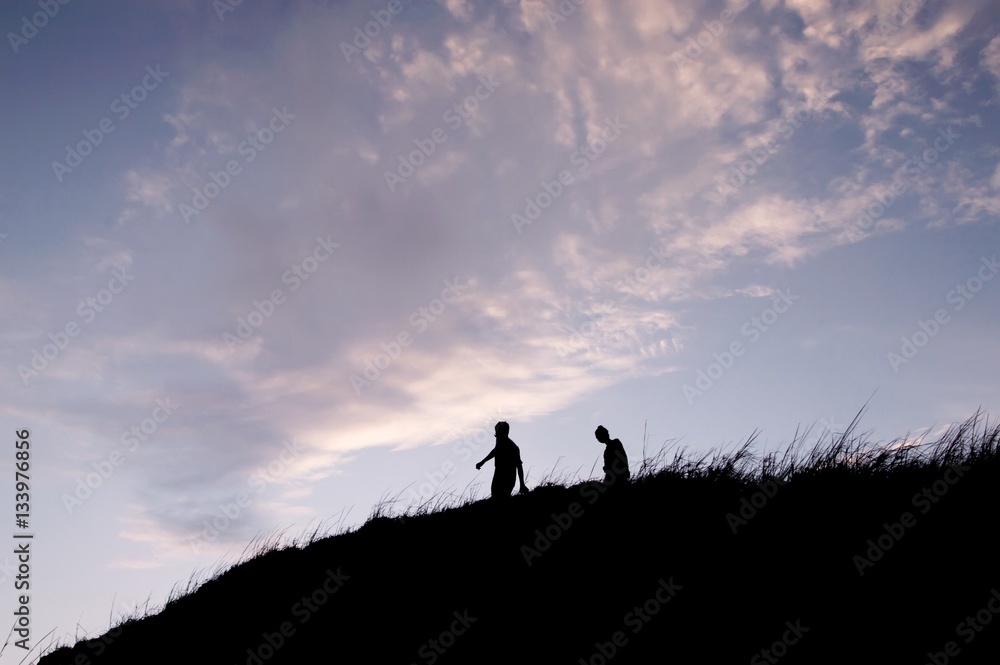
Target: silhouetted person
x,y
507,463
615,459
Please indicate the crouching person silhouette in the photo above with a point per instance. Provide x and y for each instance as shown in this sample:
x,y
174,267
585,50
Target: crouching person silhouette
x,y
615,460
506,461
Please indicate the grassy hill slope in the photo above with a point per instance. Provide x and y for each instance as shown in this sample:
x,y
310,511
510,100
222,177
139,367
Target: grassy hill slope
x,y
849,553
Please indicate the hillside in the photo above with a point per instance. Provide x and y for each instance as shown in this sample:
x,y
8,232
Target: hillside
x,y
849,553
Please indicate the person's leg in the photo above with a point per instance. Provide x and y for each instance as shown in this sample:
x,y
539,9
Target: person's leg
x,y
503,484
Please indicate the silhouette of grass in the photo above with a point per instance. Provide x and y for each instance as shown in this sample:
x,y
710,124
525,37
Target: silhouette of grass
x,y
671,519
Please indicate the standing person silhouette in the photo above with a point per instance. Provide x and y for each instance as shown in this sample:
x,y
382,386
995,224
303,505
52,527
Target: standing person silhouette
x,y
507,462
615,459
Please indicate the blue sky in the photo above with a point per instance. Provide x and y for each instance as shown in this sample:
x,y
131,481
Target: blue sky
x,y
256,262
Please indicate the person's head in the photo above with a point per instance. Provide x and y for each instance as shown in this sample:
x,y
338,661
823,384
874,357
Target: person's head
x,y
501,430
602,434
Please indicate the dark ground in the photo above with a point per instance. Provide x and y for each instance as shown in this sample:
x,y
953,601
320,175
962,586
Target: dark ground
x,y
644,573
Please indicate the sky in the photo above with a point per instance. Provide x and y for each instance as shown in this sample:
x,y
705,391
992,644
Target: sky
x,y
265,265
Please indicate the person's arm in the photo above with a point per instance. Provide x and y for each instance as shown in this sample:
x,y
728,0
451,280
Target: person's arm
x,y
520,476
486,459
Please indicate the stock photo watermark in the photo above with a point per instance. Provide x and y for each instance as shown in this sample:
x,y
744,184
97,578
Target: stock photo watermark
x,y
420,320
900,15
466,445
924,500
958,297
752,330
31,25
455,116
87,485
295,277
913,168
749,508
713,31
636,619
248,148
100,644
779,648
968,629
24,538
304,609
8,569
258,481
88,310
363,35
742,174
561,522
581,158
483,436
434,648
122,106
578,337
563,10
223,7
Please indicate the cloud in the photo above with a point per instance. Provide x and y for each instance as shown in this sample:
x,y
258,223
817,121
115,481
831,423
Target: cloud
x,y
990,58
590,294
